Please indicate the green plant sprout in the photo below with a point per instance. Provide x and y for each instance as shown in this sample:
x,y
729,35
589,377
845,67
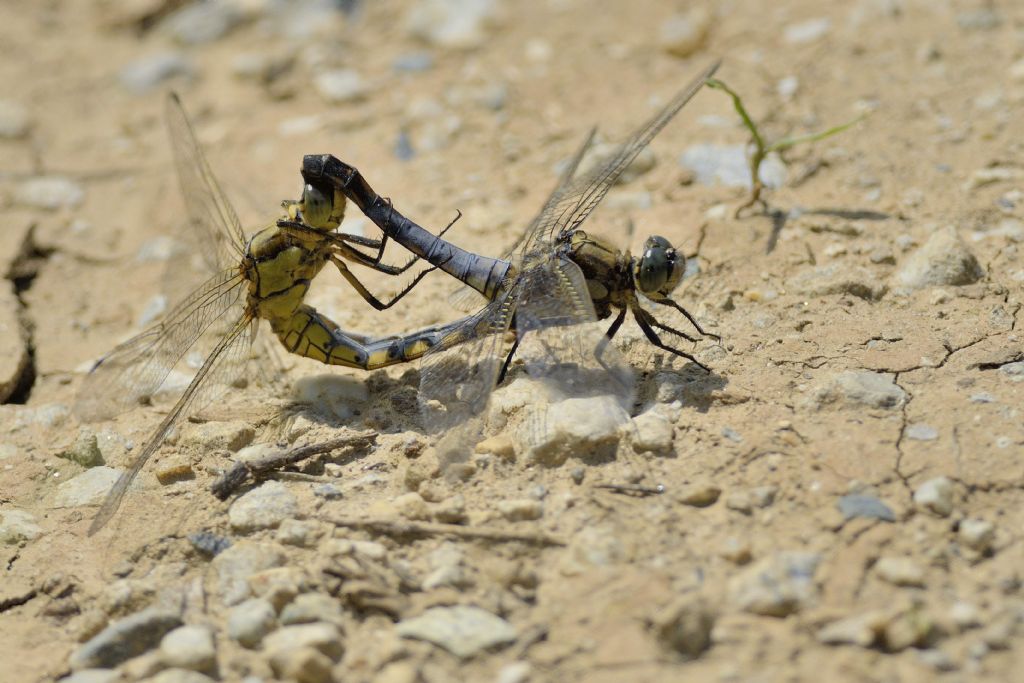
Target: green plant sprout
x,y
763,149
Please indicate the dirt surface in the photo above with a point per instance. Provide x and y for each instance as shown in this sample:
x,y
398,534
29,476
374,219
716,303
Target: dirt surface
x,y
842,494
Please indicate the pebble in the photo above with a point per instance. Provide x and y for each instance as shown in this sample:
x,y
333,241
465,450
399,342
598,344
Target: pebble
x,y
463,630
50,193
595,546
863,630
235,565
921,432
806,31
94,676
145,74
943,260
861,388
265,507
209,543
297,532
17,526
202,22
684,34
900,571
516,672
1016,72
189,647
838,278
85,451
576,427
279,585
412,506
88,488
303,664
451,23
865,506
729,165
499,445
340,85
219,436
323,637
15,121
776,586
699,494
984,19
964,615
736,550
174,468
413,62
452,510
312,607
787,87
685,626
1013,371
328,491
652,433
521,509
124,639
447,568
977,534
250,621
935,496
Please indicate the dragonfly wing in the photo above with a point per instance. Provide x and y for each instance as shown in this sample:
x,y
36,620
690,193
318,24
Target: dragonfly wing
x,y
136,368
214,223
223,360
576,198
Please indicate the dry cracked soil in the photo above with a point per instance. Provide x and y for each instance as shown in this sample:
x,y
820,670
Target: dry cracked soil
x,y
840,499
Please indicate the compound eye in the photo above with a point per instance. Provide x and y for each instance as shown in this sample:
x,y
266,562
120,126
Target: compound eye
x,y
316,207
656,241
654,268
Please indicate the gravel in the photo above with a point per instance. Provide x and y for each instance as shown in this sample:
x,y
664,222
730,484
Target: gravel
x,y
88,488
264,507
463,630
49,193
124,639
935,496
944,260
776,586
18,526
249,622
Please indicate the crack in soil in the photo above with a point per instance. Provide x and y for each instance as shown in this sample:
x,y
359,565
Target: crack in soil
x,y
23,271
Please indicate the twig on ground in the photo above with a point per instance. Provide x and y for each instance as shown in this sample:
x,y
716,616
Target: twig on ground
x,y
390,527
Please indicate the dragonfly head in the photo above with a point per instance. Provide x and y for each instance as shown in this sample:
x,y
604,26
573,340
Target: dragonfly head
x,y
659,269
322,209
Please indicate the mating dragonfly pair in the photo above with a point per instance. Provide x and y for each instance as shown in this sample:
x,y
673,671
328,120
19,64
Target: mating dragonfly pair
x,y
551,288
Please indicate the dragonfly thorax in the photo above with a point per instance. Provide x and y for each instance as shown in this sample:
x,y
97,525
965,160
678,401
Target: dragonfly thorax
x,y
659,269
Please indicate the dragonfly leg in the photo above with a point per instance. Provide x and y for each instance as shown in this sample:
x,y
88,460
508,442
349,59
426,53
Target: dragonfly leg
x,y
693,321
366,294
508,361
311,334
612,331
647,323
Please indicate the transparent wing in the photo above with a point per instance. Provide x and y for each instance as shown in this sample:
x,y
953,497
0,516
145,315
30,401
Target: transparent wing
x,y
136,369
224,360
570,205
215,226
458,375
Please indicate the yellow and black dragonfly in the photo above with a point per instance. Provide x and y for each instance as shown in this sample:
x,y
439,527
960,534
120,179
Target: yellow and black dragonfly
x,y
552,286
262,277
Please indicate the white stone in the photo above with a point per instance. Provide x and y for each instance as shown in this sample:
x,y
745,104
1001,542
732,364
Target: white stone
x,y
189,647
900,571
50,193
17,526
463,630
265,507
88,488
250,621
935,496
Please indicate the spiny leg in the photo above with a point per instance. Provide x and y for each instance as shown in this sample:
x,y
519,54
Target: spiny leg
x,y
508,361
608,335
693,321
366,294
643,320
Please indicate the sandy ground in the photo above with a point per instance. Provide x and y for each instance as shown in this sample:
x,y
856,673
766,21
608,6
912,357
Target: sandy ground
x,y
843,493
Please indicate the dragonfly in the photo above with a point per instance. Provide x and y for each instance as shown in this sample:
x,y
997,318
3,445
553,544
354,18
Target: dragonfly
x,y
262,277
551,286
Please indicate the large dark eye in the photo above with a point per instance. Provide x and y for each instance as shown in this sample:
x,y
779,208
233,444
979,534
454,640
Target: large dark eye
x,y
660,267
316,207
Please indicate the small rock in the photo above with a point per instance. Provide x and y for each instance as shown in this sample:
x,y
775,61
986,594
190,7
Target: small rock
x,y
730,166
806,31
219,436
787,87
250,621
964,615
652,433
740,501
17,526
297,532
763,496
264,507
174,468
582,427
863,630
452,510
412,506
921,432
463,630
451,23
49,193
202,22
328,491
911,628
499,445
189,647
235,565
179,676
413,62
935,496
308,608
124,639
147,73
279,585
683,34
14,120
736,550
447,568
323,637
900,571
868,507
861,388
85,451
301,664
943,260
838,278
340,85
977,534
776,586
984,19
521,510
699,495
93,676
595,546
516,672
209,543
685,626
88,488
1013,371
